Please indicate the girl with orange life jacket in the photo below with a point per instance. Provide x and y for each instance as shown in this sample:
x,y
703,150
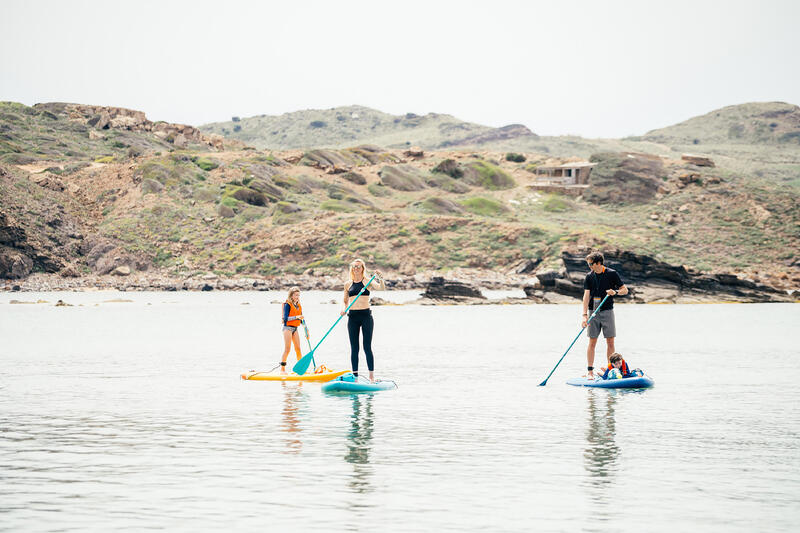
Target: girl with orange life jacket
x,y
292,318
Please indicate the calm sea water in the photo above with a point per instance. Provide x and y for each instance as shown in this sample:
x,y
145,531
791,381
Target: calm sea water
x,y
131,415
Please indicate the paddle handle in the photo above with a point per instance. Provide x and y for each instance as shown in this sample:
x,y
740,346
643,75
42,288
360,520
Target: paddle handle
x,y
345,312
543,383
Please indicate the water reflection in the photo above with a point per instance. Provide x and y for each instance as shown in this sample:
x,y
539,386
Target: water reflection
x,y
293,398
602,453
359,442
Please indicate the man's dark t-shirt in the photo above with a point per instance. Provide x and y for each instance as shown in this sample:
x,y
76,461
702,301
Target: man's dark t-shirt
x,y
598,284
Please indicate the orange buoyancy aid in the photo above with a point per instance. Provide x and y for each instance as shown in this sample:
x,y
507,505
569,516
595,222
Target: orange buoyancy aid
x,y
294,311
623,369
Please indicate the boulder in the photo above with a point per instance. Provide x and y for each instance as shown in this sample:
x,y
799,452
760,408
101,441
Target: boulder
x,y
180,141
14,264
354,177
526,266
440,289
449,167
123,270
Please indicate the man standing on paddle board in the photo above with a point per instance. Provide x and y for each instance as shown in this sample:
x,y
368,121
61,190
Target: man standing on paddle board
x,y
601,281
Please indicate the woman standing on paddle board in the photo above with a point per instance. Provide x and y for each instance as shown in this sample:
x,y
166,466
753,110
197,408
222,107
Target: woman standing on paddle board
x,y
360,315
292,318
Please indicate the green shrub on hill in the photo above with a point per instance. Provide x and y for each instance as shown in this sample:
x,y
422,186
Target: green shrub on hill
x,y
440,206
379,190
170,171
484,206
556,203
205,163
515,158
336,206
488,176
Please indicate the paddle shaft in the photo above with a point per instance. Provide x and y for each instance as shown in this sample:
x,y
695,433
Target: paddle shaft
x,y
308,337
543,383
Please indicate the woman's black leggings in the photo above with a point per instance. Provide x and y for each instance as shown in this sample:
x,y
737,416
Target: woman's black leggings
x,y
355,320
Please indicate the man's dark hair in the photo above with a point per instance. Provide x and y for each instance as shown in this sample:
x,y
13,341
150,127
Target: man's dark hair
x,y
595,257
614,358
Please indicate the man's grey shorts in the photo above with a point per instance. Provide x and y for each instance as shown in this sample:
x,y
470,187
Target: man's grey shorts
x,y
604,320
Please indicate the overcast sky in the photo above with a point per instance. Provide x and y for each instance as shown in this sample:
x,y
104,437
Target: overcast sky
x,y
592,68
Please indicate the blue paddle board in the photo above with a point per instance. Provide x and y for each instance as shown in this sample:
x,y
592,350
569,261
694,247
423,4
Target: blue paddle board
x,y
349,383
638,382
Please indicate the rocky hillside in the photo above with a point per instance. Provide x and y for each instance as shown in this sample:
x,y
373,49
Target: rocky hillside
x,y
341,127
81,206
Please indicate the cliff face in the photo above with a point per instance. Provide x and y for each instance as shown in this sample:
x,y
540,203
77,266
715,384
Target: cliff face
x,y
37,233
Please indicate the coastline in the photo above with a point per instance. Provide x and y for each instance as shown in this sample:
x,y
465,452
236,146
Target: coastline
x,y
456,280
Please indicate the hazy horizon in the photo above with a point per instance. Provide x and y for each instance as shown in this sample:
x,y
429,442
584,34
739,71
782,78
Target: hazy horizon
x,y
583,68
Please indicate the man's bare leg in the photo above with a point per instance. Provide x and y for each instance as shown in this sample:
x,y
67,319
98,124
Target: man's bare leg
x,y
609,349
590,356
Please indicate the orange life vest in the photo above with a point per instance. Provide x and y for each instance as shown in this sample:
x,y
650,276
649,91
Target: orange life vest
x,y
294,311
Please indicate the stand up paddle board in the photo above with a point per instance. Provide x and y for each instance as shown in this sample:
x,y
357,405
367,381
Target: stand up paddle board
x,y
638,382
349,383
277,376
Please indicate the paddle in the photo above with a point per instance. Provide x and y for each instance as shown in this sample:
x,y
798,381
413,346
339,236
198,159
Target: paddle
x,y
308,338
302,365
543,383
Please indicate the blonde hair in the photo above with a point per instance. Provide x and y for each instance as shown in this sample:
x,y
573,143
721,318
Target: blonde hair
x,y
292,290
353,265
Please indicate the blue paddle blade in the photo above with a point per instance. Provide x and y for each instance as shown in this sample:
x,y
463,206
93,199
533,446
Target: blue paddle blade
x,y
302,365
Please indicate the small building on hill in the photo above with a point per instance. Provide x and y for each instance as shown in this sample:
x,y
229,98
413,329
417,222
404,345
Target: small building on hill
x,y
576,173
568,178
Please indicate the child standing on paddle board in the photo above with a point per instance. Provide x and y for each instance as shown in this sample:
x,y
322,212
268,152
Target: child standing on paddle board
x,y
359,317
292,318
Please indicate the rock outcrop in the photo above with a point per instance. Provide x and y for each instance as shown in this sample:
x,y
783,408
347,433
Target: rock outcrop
x,y
105,117
651,280
622,177
441,289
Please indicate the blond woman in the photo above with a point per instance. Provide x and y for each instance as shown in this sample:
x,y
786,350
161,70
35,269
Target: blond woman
x,y
359,317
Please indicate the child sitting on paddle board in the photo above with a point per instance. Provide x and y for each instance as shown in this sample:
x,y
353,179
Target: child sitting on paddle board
x,y
618,363
292,318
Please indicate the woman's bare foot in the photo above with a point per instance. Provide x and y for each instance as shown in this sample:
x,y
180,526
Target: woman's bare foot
x,y
372,377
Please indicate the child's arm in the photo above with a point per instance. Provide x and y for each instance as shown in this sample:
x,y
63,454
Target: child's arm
x,y
285,313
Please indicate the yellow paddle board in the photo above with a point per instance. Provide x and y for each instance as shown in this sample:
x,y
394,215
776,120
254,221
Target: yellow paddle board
x,y
290,376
